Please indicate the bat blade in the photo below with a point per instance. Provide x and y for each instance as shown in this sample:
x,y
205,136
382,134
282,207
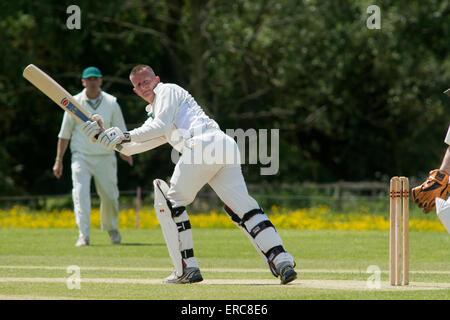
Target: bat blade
x,y
447,92
57,94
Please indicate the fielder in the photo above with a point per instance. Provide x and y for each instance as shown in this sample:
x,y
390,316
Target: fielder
x,y
432,193
90,160
208,156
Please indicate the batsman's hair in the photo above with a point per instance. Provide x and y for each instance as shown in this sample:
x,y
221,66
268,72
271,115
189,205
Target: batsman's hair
x,y
139,68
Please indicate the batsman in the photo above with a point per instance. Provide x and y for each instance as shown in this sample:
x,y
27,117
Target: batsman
x,y
177,119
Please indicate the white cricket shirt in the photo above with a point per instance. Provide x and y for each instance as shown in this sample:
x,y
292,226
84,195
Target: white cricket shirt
x,y
175,115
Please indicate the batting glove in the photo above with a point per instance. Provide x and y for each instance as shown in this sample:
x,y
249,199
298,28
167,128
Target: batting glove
x,y
91,129
111,137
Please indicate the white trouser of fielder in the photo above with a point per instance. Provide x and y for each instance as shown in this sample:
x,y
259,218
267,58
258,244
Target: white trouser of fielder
x,y
227,181
104,171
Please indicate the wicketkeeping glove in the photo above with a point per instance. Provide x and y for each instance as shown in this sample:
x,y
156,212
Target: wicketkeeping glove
x,y
111,137
436,186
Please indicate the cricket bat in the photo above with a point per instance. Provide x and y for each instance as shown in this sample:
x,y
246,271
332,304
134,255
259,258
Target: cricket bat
x,y
58,94
447,92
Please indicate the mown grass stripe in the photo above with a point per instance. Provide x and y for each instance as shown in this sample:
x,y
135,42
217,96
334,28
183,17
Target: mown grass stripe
x,y
317,284
101,268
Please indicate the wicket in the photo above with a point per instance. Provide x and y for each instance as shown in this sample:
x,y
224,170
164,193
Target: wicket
x,y
399,207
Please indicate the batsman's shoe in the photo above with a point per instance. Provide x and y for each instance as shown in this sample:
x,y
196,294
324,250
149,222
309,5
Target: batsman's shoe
x,y
286,272
115,237
82,241
190,275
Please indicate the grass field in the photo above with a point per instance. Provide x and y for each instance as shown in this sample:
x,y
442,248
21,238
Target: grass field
x,y
331,265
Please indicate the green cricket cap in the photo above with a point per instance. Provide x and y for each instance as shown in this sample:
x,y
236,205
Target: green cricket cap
x,y
91,72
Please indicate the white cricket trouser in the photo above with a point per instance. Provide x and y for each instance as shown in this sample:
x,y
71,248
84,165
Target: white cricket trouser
x,y
104,171
225,179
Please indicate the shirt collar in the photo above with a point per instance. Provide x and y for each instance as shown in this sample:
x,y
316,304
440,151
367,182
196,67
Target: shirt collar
x,y
85,97
157,88
149,107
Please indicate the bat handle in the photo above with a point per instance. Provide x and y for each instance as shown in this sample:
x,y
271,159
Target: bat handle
x,y
102,130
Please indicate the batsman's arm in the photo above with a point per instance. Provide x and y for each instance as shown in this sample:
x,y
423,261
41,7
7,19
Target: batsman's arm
x,y
165,110
131,148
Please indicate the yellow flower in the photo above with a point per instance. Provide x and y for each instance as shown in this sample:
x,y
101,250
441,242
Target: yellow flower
x,y
316,218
